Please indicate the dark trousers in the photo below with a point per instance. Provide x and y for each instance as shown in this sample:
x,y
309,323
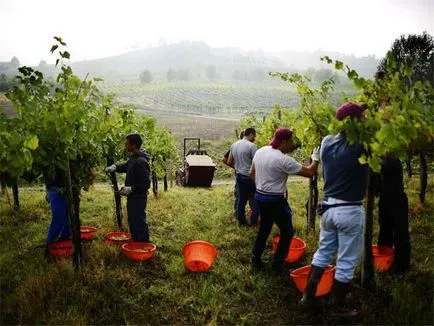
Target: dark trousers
x,y
136,209
277,212
393,220
59,227
246,191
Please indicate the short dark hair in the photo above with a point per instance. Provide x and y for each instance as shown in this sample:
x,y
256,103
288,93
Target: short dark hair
x,y
242,134
250,131
135,139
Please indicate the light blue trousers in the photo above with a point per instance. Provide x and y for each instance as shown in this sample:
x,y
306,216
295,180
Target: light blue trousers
x,y
342,229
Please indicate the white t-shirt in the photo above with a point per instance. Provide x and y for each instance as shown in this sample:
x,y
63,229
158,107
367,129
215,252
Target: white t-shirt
x,y
243,151
272,169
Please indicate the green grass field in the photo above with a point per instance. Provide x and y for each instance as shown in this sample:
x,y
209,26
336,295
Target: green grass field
x,y
110,289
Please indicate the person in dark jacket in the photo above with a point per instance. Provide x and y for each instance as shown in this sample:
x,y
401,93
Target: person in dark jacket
x,y
137,183
393,213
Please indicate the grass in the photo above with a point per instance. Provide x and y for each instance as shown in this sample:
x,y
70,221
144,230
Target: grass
x,y
113,290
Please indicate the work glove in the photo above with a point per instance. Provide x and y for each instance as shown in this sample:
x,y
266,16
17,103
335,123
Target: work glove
x,y
110,169
315,154
125,191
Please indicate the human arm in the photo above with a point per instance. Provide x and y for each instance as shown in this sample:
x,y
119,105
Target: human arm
x,y
310,170
225,159
231,161
252,172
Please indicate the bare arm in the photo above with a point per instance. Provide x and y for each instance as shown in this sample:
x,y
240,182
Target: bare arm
x,y
252,172
230,161
309,171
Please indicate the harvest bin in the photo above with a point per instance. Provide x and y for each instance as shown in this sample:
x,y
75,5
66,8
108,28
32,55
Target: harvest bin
x,y
199,170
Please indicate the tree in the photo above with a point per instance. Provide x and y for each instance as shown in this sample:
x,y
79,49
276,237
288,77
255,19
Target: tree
x,y
211,72
416,52
15,63
171,74
146,77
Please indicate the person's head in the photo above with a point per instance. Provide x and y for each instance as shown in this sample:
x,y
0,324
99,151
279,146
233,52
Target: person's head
x,y
282,140
242,134
351,110
133,142
250,134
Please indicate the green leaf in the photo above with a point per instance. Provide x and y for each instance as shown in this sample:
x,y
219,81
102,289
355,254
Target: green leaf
x,y
53,48
339,65
32,143
57,61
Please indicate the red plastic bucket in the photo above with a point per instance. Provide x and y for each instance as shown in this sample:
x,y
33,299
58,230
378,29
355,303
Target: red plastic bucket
x,y
300,275
60,249
139,251
117,238
296,248
199,255
383,257
88,232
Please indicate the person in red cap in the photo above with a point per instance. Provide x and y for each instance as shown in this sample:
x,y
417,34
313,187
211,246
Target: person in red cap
x,y
270,169
342,213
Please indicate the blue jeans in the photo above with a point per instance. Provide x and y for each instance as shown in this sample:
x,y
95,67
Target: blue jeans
x,y
59,227
246,191
136,209
342,230
273,209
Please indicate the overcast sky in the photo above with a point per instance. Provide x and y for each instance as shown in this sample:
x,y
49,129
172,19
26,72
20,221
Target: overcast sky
x,y
101,28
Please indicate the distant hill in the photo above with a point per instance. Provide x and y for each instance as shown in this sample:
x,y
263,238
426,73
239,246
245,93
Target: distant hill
x,y
196,58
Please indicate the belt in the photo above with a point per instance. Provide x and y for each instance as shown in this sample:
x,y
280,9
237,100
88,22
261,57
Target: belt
x,y
333,201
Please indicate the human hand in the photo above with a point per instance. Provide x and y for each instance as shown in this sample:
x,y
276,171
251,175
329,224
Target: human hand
x,y
125,191
315,154
110,169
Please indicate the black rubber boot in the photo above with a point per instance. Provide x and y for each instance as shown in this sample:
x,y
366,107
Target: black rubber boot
x,y
340,304
257,263
312,284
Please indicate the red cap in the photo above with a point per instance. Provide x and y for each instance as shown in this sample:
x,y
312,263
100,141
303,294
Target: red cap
x,y
350,110
280,135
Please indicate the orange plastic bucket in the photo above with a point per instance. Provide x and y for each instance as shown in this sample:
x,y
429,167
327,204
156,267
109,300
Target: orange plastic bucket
x,y
117,238
300,278
88,232
296,248
383,257
139,251
60,249
199,255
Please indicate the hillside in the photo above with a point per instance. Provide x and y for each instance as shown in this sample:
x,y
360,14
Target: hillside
x,y
195,58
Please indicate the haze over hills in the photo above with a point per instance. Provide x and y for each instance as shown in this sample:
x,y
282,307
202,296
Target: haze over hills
x,y
197,57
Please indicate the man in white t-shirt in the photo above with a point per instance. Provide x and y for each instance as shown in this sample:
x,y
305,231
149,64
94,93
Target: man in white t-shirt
x,y
240,157
270,169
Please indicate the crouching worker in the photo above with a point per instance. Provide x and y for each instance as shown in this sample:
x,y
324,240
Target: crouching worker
x,y
137,183
342,216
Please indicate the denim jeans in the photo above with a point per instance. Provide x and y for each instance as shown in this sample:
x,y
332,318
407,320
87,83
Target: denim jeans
x,y
246,191
59,227
273,209
136,209
342,229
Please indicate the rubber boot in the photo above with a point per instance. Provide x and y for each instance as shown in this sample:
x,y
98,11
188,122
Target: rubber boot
x,y
340,304
312,284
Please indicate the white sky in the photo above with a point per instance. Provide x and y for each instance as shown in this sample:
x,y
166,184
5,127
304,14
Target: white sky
x,y
101,28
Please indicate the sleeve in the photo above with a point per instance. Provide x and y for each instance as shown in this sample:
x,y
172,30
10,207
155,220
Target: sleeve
x,y
289,165
253,150
142,178
122,168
